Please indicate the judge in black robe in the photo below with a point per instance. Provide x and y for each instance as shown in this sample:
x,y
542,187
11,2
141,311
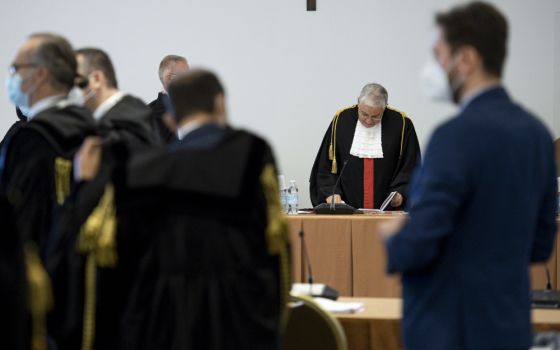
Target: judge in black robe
x,y
401,153
216,271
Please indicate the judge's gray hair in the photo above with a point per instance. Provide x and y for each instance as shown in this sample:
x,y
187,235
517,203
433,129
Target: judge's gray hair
x,y
374,95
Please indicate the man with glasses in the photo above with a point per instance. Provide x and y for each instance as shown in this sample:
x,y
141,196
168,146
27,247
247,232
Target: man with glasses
x,y
378,147
35,166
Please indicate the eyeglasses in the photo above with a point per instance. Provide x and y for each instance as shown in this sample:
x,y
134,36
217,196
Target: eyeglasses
x,y
17,66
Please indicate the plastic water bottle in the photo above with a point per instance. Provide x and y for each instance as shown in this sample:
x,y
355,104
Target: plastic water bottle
x,y
283,193
293,198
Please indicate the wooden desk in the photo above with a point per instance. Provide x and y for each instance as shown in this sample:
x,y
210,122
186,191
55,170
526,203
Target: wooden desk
x,y
346,254
378,325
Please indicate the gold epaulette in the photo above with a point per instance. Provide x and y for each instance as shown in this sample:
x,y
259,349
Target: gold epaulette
x,y
404,117
277,237
39,296
97,239
332,145
62,177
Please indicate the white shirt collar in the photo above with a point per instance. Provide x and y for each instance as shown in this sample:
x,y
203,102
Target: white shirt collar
x,y
44,104
109,103
188,128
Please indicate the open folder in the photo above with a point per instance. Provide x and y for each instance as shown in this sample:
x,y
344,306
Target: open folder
x,y
384,205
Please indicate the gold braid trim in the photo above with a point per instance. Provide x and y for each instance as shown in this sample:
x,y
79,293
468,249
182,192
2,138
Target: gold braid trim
x,y
39,296
277,234
98,240
332,146
404,117
62,174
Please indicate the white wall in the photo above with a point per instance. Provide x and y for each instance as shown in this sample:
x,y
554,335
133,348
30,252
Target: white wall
x,y
287,70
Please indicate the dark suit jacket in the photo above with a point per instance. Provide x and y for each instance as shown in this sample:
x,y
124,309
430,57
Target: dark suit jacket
x,y
482,208
162,134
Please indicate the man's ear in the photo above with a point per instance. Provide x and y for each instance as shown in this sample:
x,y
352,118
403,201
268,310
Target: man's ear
x,y
469,60
95,79
169,122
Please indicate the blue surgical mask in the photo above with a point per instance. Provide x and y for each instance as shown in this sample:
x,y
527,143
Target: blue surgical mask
x,y
15,94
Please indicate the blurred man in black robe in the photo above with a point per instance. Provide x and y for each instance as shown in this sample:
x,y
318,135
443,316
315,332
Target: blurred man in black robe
x,y
378,146
216,271
89,315
169,67
35,162
35,165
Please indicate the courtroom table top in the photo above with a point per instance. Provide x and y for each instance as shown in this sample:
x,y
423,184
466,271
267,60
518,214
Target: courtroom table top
x,y
390,309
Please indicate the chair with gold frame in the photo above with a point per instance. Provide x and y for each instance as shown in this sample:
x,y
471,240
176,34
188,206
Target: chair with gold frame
x,y
311,327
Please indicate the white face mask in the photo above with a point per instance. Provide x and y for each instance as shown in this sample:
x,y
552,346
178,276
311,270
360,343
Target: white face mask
x,y
435,82
76,96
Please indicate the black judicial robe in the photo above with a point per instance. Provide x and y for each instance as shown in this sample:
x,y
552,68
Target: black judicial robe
x,y
129,121
161,132
125,129
216,273
401,153
36,169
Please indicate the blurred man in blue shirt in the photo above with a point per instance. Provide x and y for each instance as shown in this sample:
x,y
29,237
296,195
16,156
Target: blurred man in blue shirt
x,y
483,204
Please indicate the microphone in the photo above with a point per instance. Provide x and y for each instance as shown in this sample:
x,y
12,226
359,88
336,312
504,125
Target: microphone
x,y
333,208
548,282
310,288
337,181
305,256
547,298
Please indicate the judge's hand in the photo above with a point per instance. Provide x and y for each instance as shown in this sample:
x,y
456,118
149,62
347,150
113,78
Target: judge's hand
x,y
397,200
87,159
337,199
388,228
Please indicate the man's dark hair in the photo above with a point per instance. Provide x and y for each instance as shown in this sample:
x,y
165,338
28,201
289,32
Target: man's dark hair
x,y
97,59
56,54
481,26
193,92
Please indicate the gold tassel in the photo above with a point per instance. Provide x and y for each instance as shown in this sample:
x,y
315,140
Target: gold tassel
x,y
277,234
334,167
62,175
39,295
331,151
98,240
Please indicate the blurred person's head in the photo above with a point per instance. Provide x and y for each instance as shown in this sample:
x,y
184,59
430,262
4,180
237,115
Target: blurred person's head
x,y
170,67
371,104
471,47
197,94
98,75
44,66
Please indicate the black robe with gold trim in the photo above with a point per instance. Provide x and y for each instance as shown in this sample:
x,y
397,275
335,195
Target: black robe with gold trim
x,y
36,169
401,153
216,273
91,283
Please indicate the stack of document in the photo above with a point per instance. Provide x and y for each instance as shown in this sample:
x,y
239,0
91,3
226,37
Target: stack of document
x,y
337,307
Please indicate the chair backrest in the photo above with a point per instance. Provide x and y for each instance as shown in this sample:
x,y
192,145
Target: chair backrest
x,y
311,327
